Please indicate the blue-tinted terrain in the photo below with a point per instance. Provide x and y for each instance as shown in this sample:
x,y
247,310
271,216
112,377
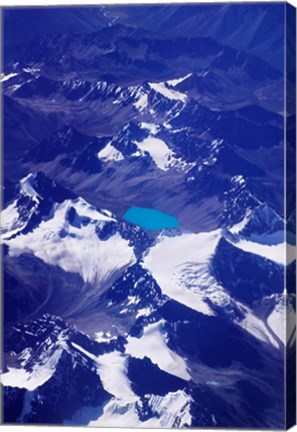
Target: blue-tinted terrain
x,y
144,232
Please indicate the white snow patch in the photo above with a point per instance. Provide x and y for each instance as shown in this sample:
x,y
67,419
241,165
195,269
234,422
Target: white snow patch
x,y
103,337
27,188
15,87
238,179
239,226
25,355
84,209
281,253
31,70
112,369
7,77
153,128
170,260
257,328
176,81
161,154
142,102
180,164
40,374
132,300
290,320
277,322
110,153
282,319
152,344
168,93
10,219
143,312
83,351
158,150
168,408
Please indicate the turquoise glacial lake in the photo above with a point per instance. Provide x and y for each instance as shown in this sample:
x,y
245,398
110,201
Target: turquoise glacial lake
x,y
150,219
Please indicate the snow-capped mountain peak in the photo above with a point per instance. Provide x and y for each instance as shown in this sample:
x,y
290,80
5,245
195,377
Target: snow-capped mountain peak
x,y
27,187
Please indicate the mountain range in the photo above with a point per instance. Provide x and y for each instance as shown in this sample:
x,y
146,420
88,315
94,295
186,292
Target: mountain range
x,y
175,108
